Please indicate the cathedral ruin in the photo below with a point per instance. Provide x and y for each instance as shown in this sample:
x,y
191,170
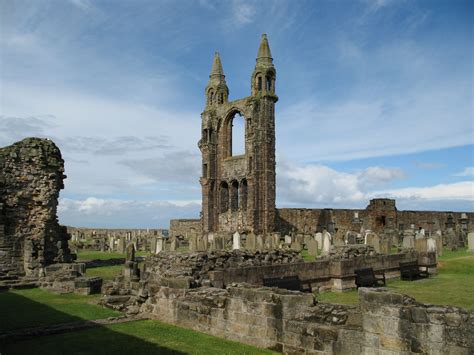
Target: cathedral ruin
x,y
238,191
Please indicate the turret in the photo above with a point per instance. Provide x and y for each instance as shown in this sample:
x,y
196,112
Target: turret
x,y
217,91
264,74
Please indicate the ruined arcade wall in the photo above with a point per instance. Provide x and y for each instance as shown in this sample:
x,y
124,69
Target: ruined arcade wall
x,y
32,173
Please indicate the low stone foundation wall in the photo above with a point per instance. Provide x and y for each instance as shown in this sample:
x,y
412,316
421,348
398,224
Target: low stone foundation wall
x,y
324,274
293,322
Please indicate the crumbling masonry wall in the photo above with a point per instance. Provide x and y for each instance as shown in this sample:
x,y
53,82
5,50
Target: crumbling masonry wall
x,y
293,322
32,173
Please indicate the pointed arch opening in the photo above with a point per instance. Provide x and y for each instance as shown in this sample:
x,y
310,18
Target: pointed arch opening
x,y
243,195
234,135
234,195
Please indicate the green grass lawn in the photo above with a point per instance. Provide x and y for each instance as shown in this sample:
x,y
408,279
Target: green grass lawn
x,y
454,284
36,307
106,272
138,337
104,255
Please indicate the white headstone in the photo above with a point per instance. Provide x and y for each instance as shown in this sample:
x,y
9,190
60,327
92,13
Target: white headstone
x,y
287,239
431,245
319,239
236,241
408,242
327,241
160,245
470,242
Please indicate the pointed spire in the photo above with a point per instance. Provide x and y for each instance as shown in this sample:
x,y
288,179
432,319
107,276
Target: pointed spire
x,y
217,71
264,55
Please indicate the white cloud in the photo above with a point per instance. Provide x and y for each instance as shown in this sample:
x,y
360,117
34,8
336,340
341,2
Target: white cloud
x,y
99,212
319,184
463,190
468,171
243,12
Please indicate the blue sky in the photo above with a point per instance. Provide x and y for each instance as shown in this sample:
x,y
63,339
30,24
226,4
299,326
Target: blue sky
x,y
376,99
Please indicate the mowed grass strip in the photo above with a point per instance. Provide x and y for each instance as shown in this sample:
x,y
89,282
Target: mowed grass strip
x,y
138,337
37,307
106,272
104,255
454,284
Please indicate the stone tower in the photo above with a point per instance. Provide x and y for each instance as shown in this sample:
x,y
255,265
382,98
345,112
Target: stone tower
x,y
238,191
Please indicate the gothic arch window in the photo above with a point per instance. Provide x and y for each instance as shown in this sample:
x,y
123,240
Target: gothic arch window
x,y
259,83
234,195
243,195
221,98
223,197
234,135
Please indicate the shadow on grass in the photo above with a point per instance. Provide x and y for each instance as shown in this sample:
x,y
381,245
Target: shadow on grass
x,y
97,340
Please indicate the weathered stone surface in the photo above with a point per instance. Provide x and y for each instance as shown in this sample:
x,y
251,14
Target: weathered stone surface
x,y
32,173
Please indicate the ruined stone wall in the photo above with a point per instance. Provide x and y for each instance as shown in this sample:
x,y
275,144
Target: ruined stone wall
x,y
376,217
195,267
293,322
185,227
32,173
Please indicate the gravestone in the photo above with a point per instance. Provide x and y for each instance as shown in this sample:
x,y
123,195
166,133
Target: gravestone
x,y
160,245
408,242
373,240
250,244
275,237
287,239
111,244
153,245
327,242
421,245
319,239
312,247
420,234
350,238
130,270
431,245
296,246
236,241
121,245
470,242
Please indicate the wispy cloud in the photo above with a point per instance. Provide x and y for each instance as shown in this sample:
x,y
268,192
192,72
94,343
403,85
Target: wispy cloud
x,y
243,12
173,167
468,171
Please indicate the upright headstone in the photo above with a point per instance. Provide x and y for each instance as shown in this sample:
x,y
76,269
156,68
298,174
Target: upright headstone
x,y
160,244
327,242
236,241
431,246
153,245
275,240
312,247
470,242
421,245
192,242
121,245
296,246
251,241
287,239
319,239
111,243
350,238
408,242
373,240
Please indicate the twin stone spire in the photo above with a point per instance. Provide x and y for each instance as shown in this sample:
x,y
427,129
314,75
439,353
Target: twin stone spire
x,y
217,90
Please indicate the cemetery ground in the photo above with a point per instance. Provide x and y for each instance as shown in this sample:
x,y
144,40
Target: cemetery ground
x,y
453,285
